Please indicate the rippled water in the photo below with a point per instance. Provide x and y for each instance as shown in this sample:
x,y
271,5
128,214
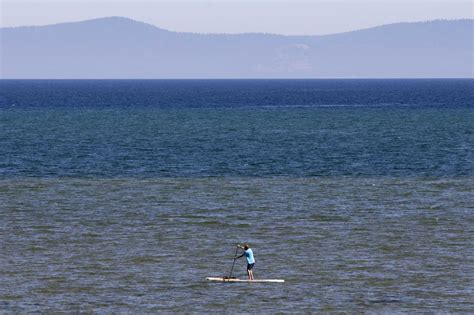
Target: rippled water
x,y
112,208
369,244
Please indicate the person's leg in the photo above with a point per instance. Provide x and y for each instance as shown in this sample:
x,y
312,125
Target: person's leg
x,y
250,271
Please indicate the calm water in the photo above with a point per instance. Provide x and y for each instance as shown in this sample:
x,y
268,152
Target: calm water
x,y
122,196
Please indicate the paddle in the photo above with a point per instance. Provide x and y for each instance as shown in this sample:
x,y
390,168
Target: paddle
x,y
232,269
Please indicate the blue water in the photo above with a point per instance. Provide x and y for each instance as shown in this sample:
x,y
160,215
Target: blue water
x,y
122,196
237,128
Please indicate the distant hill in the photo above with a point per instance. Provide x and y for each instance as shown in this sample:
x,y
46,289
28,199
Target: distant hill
x,y
116,47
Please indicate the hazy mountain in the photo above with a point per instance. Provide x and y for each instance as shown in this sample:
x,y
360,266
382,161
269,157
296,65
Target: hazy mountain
x,y
122,48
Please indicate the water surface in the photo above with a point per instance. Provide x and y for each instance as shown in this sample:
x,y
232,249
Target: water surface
x,y
122,196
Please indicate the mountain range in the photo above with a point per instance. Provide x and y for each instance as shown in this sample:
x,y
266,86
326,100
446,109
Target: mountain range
x,y
117,47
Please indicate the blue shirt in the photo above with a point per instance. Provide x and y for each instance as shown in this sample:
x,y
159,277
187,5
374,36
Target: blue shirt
x,y
249,255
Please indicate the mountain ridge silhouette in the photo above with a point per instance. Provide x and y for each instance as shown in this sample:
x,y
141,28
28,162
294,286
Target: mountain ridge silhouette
x,y
119,47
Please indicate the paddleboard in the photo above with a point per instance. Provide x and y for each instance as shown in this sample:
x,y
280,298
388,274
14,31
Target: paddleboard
x,y
221,279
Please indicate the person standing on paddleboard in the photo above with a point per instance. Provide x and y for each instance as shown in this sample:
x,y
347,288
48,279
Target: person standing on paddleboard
x,y
248,253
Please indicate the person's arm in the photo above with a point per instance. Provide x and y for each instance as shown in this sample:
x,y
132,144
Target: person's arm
x,y
237,257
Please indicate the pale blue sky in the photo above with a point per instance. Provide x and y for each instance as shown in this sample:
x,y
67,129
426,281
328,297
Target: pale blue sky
x,y
230,16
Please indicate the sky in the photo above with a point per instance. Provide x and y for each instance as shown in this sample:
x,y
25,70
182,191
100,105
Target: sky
x,y
289,17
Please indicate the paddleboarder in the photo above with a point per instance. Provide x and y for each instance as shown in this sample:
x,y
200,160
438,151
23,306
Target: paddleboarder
x,y
248,253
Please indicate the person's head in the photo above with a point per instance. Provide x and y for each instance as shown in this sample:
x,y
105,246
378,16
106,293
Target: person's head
x,y
246,246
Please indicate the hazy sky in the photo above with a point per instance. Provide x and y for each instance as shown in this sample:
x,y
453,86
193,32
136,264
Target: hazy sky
x,y
231,16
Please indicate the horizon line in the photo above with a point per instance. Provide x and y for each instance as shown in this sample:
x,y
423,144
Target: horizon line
x,y
233,79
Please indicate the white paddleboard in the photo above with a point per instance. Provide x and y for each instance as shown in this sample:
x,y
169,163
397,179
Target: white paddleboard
x,y
221,279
